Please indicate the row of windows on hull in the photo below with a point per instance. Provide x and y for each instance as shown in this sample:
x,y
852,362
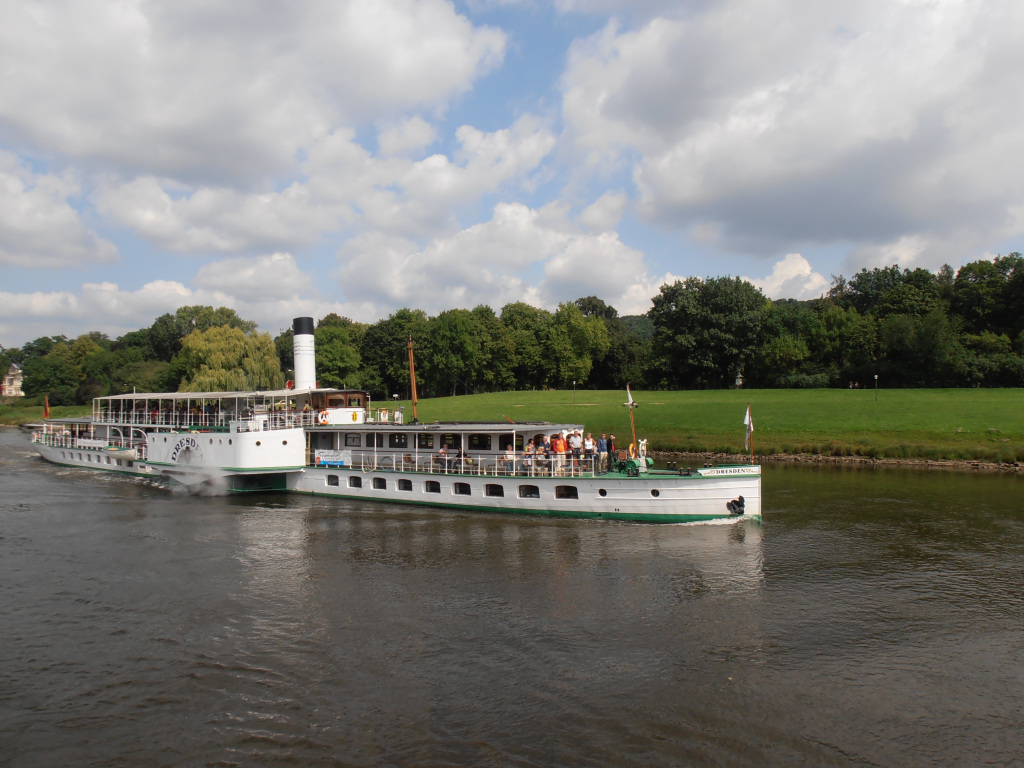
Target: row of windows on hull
x,y
99,459
494,490
427,442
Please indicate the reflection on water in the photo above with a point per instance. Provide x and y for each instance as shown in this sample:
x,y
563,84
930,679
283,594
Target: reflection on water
x,y
871,619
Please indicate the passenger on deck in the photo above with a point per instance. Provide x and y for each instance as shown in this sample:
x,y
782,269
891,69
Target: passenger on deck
x,y
528,454
576,447
589,451
508,462
542,461
558,449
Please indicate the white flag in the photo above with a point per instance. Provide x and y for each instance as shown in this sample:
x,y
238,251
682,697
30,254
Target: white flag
x,y
629,394
749,424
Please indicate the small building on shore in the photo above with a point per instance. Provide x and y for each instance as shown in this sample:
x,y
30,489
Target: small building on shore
x,y
12,382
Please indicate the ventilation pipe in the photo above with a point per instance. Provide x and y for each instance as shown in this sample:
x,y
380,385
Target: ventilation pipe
x,y
305,353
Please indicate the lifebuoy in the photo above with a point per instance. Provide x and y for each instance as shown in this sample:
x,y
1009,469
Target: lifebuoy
x,y
632,451
354,417
289,384
324,417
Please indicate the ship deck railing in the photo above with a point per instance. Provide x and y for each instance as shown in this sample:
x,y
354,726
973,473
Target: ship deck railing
x,y
490,466
219,421
62,439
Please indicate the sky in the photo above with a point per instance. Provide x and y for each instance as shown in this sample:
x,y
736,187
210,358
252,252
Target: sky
x,y
360,156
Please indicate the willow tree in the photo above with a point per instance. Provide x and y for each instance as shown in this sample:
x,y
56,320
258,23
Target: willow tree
x,y
227,359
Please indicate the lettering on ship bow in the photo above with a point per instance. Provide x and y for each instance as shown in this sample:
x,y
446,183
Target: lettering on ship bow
x,y
187,451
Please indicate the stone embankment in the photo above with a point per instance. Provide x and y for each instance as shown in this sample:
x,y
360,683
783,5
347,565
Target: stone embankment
x,y
857,462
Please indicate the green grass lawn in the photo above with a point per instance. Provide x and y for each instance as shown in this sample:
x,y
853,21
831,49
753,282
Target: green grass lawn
x,y
986,424
16,410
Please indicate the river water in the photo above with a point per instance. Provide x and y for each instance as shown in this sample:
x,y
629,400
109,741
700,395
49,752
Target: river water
x,y
874,618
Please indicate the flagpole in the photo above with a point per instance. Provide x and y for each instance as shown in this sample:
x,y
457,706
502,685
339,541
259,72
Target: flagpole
x,y
751,434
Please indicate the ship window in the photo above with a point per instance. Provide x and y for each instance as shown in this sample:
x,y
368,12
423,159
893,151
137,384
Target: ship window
x,y
425,441
211,441
405,485
165,439
119,462
229,441
332,480
374,437
452,440
398,440
432,486
529,492
257,443
108,460
479,442
355,482
64,457
380,483
566,492
504,441
461,489
493,489
352,439
89,457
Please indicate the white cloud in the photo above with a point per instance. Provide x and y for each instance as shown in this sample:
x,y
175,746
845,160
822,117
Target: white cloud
x,y
604,213
521,254
205,94
346,188
215,219
792,278
414,133
850,122
258,279
38,226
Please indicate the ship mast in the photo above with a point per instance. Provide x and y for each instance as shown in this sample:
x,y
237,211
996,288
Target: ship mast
x,y
412,379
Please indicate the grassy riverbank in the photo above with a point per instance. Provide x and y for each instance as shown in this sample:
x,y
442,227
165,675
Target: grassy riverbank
x,y
15,411
937,424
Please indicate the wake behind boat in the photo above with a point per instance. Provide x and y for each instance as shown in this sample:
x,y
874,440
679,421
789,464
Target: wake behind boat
x,y
332,442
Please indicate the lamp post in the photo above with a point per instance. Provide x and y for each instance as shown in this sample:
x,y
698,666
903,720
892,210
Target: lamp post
x,y
574,391
876,387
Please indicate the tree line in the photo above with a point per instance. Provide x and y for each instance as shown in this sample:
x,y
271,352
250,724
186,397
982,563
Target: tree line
x,y
911,328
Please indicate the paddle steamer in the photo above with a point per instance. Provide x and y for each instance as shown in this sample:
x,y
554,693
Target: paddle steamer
x,y
331,442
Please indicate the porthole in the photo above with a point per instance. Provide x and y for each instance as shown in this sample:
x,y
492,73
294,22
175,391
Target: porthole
x,y
602,492
284,442
165,439
229,441
655,492
211,441
257,443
